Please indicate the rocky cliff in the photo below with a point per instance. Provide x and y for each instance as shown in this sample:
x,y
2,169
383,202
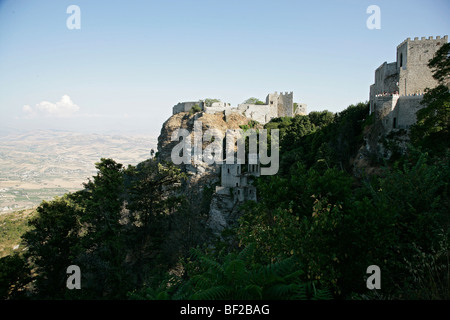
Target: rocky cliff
x,y
223,209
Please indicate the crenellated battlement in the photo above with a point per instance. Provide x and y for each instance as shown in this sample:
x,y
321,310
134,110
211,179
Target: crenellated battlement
x,y
423,39
419,94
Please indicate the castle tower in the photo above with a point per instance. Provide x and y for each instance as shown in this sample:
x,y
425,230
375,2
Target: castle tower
x,y
399,86
281,103
412,64
409,75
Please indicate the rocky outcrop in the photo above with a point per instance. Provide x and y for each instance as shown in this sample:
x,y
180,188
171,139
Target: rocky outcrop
x,y
223,208
377,148
223,212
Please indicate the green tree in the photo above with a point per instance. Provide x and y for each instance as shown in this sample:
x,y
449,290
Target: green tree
x,y
195,109
209,102
102,260
235,275
51,245
153,199
321,118
14,277
253,100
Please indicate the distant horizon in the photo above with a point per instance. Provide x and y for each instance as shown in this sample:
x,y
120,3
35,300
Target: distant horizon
x,y
131,62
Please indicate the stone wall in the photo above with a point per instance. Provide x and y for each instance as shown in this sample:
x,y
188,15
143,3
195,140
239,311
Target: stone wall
x,y
186,106
386,78
286,105
397,112
384,107
260,113
230,175
301,109
414,74
277,105
406,109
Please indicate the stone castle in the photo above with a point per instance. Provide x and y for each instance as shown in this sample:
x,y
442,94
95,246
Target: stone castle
x,y
236,178
399,86
276,105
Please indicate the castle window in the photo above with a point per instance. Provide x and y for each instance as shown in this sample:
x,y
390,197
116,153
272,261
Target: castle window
x,y
237,185
271,102
394,125
228,170
401,59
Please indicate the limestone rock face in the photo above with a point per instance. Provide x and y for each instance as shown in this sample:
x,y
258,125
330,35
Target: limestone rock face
x,y
201,174
222,213
186,121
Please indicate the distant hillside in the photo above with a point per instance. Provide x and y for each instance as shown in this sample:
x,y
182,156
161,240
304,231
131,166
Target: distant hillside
x,y
12,226
39,165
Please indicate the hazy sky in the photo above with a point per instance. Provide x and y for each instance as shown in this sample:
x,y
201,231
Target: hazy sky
x,y
131,61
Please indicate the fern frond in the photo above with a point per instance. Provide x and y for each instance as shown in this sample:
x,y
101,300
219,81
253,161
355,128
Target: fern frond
x,y
200,281
322,294
245,254
213,265
213,293
252,291
235,270
283,267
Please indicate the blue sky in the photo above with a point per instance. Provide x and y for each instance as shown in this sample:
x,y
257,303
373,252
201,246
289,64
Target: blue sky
x,y
131,61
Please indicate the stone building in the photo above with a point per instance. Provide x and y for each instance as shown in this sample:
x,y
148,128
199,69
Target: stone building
x,y
235,179
399,86
276,105
187,106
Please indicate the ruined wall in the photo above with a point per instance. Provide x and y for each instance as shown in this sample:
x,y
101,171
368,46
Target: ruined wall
x,y
186,106
301,109
277,105
255,112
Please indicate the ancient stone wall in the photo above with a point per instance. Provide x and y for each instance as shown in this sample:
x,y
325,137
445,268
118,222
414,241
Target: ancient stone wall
x,y
412,60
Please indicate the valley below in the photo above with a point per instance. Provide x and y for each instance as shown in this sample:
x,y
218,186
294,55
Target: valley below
x,y
39,165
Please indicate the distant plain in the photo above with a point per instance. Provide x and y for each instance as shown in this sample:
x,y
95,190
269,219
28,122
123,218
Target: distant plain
x,y
39,165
